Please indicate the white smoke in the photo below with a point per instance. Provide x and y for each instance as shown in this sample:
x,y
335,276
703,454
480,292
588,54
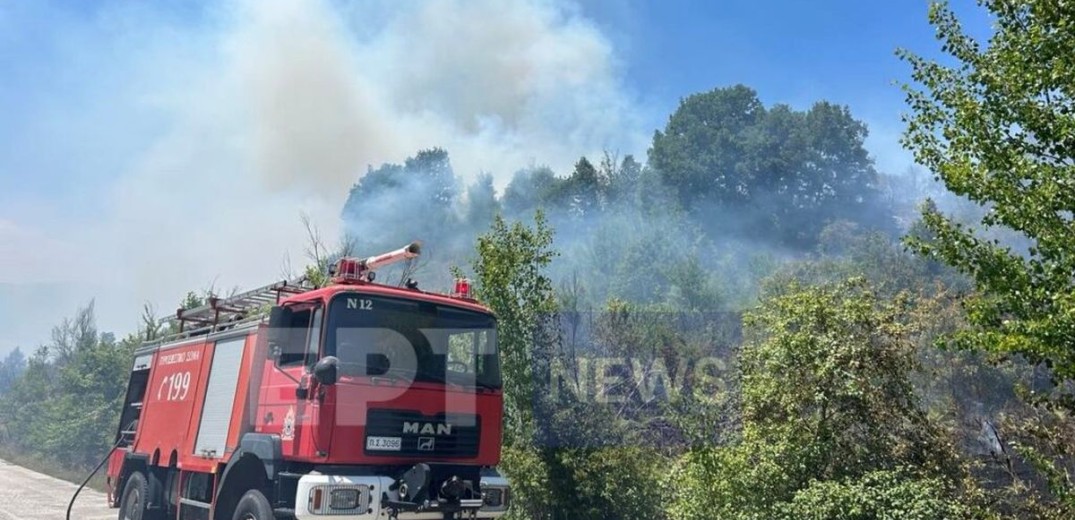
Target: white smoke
x,y
268,109
500,84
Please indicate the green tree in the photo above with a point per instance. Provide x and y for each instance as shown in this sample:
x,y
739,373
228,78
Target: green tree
x,y
623,179
511,280
847,250
11,368
767,172
998,127
826,398
81,419
531,188
510,269
550,480
830,368
996,124
417,197
482,204
584,188
878,495
65,406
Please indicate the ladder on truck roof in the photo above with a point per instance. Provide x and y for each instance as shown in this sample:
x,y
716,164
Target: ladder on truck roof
x,y
219,313
245,307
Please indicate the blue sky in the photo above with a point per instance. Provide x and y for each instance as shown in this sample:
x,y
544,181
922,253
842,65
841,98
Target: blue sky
x,y
791,51
127,126
794,52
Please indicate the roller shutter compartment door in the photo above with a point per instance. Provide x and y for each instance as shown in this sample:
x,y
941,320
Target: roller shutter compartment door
x,y
219,398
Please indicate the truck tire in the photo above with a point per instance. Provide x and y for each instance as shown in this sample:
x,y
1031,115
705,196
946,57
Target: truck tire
x,y
135,497
253,506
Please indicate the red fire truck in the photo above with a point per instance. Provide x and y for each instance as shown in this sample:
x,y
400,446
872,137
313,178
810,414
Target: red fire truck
x,y
354,401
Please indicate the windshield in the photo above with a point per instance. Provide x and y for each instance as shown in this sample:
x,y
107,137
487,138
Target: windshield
x,y
377,336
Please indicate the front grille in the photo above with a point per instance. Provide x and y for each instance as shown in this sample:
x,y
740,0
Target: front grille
x,y
429,436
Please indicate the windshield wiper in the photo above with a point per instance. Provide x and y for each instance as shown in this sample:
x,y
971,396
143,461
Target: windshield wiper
x,y
448,381
429,376
445,380
391,375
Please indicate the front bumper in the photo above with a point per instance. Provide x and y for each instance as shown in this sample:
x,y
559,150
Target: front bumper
x,y
374,494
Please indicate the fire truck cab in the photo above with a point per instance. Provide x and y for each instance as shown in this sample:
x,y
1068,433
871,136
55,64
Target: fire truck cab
x,y
354,401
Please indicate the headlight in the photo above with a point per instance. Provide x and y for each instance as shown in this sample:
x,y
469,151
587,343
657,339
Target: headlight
x,y
496,492
339,499
343,499
494,498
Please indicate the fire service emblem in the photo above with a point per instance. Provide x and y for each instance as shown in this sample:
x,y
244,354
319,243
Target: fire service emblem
x,y
426,443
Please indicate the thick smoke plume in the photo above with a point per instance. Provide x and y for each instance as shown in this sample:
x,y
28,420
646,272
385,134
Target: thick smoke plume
x,y
260,111
500,84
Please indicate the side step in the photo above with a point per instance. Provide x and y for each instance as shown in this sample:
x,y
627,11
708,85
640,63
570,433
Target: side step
x,y
194,509
193,503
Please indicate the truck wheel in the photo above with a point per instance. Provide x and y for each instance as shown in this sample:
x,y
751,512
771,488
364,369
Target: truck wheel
x,y
253,506
135,495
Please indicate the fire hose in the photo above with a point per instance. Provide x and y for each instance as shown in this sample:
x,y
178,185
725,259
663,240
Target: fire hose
x,y
108,454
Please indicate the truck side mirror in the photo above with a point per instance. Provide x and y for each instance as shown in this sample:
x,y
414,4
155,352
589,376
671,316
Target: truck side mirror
x,y
325,370
377,364
280,319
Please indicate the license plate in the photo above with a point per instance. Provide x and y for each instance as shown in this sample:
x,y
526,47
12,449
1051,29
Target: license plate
x,y
383,443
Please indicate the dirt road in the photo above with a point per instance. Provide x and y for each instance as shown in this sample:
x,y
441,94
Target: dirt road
x,y
26,495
